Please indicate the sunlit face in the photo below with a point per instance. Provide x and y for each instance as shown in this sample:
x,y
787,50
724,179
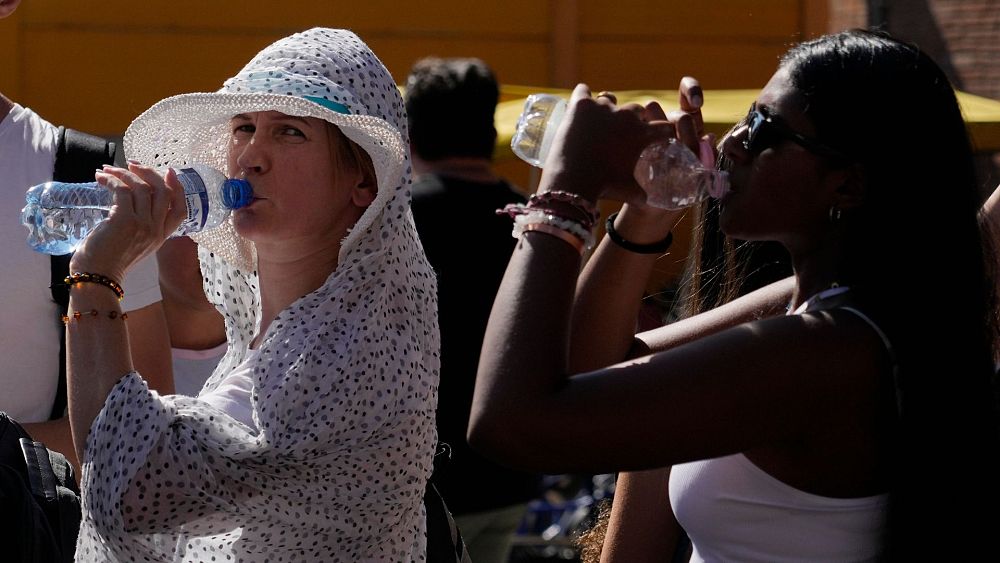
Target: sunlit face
x,y
307,187
782,190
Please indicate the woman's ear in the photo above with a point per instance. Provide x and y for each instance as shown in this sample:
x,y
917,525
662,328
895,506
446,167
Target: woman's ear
x,y
851,190
366,187
364,192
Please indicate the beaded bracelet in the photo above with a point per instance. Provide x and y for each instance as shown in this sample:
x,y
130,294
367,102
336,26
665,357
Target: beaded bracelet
x,y
93,313
514,209
571,212
572,227
651,248
87,277
577,201
566,236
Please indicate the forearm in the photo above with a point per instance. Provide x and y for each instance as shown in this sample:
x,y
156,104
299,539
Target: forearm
x,y
192,322
766,302
97,356
642,525
194,328
149,344
991,212
611,287
990,221
524,353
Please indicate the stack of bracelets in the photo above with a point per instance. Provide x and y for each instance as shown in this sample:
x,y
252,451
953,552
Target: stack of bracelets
x,y
571,218
561,214
87,277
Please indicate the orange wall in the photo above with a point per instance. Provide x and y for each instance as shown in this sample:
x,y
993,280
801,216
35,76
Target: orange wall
x,y
94,66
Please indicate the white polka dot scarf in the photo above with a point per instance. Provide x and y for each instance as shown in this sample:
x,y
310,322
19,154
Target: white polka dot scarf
x,y
345,383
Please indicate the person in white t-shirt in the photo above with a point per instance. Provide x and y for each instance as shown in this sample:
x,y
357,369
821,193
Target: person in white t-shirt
x,y
30,326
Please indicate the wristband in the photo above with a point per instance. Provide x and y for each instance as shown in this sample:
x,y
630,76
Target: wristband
x,y
651,248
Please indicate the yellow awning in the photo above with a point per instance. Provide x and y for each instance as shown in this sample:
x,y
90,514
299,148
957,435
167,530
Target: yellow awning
x,y
723,108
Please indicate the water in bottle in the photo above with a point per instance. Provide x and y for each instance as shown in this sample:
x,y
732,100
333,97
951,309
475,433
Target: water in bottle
x,y
672,176
60,215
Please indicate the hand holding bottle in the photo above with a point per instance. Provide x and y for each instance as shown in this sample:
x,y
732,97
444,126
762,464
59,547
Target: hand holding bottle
x,y
147,209
670,158
59,215
595,147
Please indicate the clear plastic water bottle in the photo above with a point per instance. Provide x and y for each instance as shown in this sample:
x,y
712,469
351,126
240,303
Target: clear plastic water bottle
x,y
672,176
59,215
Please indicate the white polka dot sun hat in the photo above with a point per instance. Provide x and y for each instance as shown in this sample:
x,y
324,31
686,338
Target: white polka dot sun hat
x,y
330,74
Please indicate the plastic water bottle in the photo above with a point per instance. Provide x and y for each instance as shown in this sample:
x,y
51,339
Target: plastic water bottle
x,y
59,215
672,176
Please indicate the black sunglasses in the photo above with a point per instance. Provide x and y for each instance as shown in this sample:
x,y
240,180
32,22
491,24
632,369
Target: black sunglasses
x,y
765,131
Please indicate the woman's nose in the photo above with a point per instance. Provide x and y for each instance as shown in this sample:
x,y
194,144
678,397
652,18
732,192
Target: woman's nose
x,y
732,144
250,156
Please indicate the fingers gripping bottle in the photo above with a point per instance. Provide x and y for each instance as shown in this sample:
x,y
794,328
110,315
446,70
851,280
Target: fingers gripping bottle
x,y
672,176
59,215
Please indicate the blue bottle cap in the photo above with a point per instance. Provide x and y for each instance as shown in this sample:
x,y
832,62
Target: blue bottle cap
x,y
236,193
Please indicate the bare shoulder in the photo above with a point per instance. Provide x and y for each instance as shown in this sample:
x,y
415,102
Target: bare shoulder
x,y
829,359
833,341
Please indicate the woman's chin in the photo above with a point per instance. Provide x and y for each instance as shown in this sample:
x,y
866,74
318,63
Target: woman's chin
x,y
246,223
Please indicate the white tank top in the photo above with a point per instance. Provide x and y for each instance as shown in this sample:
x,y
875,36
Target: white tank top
x,y
735,511
232,394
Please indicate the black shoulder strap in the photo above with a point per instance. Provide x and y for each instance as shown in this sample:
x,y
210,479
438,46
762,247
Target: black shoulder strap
x,y
77,156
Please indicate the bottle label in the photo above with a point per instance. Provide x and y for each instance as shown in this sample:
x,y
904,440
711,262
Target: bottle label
x,y
196,196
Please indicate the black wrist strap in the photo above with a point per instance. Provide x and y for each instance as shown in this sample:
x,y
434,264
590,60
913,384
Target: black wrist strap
x,y
651,248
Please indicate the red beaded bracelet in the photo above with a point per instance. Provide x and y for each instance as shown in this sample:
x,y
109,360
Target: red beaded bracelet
x,y
76,315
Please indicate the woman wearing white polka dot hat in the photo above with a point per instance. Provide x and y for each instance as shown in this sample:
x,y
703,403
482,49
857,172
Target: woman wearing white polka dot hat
x,y
313,439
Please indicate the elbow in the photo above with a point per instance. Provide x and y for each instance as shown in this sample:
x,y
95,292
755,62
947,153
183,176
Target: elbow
x,y
494,436
483,434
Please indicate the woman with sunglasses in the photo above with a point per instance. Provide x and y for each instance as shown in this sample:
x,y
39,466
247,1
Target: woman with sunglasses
x,y
840,431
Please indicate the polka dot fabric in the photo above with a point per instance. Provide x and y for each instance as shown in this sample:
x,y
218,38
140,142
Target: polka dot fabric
x,y
344,388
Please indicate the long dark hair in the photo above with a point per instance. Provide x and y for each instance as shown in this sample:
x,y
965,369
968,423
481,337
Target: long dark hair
x,y
719,268
893,111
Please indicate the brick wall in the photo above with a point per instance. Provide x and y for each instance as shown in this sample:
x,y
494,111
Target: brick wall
x,y
970,33
963,36
847,14
971,30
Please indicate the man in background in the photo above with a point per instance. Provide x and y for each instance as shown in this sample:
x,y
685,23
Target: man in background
x,y
456,192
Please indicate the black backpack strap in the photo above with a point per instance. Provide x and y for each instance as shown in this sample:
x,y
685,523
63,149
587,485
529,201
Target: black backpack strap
x,y
77,156
53,486
444,539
